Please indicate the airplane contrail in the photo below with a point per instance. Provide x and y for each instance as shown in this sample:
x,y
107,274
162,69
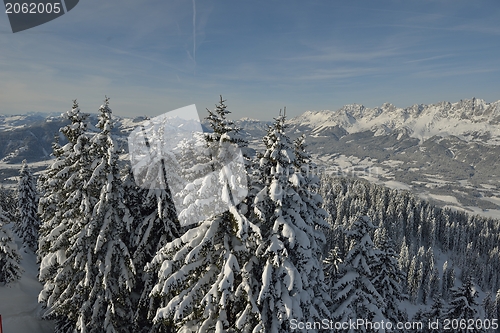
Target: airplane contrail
x,y
194,31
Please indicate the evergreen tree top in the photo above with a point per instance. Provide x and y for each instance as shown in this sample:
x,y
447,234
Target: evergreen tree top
x,y
280,124
219,122
105,124
78,124
361,226
279,147
24,167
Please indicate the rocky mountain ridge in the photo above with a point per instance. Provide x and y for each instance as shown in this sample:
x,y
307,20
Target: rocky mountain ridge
x,y
469,119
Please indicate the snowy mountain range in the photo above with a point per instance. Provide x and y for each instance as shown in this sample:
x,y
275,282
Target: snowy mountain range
x,y
470,120
446,152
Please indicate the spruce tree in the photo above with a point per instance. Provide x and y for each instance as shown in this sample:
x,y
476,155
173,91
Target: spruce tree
x,y
213,167
8,202
434,283
488,305
331,266
90,289
291,275
387,277
404,264
414,280
435,313
154,225
463,304
355,297
61,185
9,257
306,183
448,280
206,277
108,275
28,224
63,208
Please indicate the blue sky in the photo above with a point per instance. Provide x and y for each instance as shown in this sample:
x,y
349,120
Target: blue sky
x,y
151,57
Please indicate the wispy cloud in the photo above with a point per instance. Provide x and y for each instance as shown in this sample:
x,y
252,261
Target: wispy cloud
x,y
337,73
427,59
457,71
478,27
335,54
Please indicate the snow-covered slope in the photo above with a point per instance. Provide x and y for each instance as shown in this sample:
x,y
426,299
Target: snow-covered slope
x,y
18,300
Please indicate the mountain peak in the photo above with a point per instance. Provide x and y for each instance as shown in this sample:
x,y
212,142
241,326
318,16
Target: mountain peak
x,y
423,120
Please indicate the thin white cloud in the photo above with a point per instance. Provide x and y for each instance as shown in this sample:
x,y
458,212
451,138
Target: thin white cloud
x,y
444,56
333,54
478,27
457,71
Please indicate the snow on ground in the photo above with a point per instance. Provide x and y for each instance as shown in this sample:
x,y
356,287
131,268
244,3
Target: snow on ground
x,y
17,166
492,213
436,183
488,186
445,198
438,180
494,200
345,162
392,163
397,185
19,300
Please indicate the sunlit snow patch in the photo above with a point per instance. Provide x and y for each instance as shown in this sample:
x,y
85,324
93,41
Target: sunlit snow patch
x,y
170,151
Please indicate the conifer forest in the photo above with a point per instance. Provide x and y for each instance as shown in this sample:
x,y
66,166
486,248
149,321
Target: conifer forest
x,y
304,250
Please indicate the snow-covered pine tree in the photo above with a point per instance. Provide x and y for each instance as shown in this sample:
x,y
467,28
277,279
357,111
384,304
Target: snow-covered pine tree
x,y
306,183
331,266
414,280
463,304
206,277
208,154
434,282
61,184
404,262
355,297
28,224
488,305
48,190
107,275
428,264
435,313
437,307
289,250
64,206
448,280
387,277
154,225
90,289
9,257
8,202
222,126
